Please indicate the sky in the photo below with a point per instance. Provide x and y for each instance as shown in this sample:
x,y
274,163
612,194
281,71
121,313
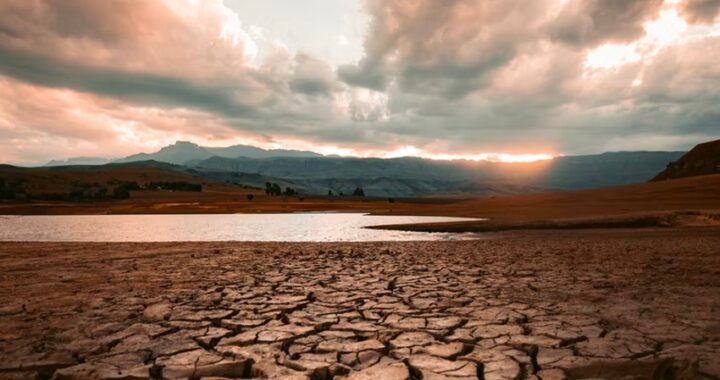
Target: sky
x,y
478,79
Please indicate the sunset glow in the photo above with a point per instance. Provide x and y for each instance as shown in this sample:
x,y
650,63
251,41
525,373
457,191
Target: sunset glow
x,y
411,151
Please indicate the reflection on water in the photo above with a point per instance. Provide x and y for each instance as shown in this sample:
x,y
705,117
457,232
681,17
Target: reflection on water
x,y
216,227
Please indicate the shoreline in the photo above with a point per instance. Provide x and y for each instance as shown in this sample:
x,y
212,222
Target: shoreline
x,y
674,219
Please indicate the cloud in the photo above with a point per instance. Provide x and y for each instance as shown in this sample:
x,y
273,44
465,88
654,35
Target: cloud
x,y
591,22
701,11
142,88
39,123
459,76
448,48
161,37
311,76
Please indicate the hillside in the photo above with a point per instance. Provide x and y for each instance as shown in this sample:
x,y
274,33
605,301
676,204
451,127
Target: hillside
x,y
411,176
682,194
313,173
58,182
703,159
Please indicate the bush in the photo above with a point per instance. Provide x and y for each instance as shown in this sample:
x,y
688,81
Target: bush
x,y
391,200
250,197
176,186
359,192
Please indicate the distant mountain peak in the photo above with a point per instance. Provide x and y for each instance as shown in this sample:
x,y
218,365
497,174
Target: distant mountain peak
x,y
78,161
182,152
180,145
183,143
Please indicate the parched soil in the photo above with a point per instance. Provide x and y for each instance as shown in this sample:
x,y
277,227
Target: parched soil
x,y
545,305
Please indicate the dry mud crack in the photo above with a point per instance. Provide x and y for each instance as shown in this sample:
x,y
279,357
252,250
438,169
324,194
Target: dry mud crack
x,y
612,305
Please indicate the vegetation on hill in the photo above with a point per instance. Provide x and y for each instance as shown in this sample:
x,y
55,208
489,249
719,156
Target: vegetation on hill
x,y
703,159
91,183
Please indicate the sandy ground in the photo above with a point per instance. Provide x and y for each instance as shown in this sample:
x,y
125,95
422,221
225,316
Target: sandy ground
x,y
614,304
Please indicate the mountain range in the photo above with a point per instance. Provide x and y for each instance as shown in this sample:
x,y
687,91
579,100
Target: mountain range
x,y
311,172
183,151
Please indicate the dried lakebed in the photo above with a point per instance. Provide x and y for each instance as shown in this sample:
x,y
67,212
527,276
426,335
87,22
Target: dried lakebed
x,y
542,305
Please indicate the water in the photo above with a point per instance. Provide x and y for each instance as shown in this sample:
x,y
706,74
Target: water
x,y
217,227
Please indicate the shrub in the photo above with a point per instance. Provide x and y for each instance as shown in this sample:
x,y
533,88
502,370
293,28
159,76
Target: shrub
x,y
176,186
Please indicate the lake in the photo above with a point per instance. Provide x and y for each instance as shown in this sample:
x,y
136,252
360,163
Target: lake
x,y
217,227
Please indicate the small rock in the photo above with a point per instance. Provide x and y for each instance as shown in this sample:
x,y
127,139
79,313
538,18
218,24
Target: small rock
x,y
157,312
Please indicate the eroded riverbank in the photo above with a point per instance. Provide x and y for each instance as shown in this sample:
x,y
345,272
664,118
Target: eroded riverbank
x,y
549,305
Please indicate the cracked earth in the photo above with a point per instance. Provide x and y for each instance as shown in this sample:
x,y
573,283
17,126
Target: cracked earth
x,y
543,305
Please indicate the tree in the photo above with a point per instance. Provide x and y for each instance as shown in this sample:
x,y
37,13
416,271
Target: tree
x,y
121,192
250,197
359,192
123,189
391,200
273,189
289,191
330,193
